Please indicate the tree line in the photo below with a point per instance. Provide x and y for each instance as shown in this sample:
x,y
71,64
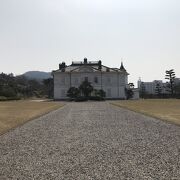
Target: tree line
x,y
20,87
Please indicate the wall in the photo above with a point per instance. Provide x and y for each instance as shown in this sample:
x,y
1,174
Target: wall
x,y
113,83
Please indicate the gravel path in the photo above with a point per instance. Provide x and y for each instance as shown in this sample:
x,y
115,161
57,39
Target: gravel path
x,y
91,140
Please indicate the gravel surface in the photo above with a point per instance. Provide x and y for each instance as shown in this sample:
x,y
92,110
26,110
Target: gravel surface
x,y
91,140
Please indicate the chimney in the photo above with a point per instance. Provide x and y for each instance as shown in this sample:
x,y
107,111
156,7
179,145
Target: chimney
x,y
85,60
62,66
99,65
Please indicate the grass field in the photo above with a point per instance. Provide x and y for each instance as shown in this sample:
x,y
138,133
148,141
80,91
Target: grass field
x,y
15,113
164,109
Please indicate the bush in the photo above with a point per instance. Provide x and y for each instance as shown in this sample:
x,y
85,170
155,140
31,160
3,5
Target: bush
x,y
99,93
14,98
96,98
73,92
81,98
8,92
129,93
86,88
3,98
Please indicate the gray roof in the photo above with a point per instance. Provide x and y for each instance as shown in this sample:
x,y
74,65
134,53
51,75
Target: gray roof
x,y
89,66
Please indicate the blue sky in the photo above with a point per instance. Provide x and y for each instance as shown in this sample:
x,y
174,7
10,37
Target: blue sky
x,y
38,34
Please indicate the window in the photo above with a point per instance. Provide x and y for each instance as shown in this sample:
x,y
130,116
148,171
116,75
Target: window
x,y
109,92
108,80
76,80
96,79
63,80
62,93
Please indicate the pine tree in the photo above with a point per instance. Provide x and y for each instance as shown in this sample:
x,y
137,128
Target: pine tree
x,y
86,88
170,75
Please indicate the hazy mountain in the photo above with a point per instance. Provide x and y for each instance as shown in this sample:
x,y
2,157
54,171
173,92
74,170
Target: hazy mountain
x,y
39,75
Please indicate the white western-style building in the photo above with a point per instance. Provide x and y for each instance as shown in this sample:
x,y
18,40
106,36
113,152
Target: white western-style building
x,y
112,80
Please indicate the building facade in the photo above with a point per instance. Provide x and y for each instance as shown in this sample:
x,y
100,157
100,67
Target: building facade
x,y
112,80
150,87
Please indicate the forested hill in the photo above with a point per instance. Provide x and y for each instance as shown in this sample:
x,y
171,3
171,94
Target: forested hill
x,y
38,75
20,87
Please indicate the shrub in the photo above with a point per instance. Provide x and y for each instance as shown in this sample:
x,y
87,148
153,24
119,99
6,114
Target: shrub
x,y
86,88
81,98
3,98
73,92
129,93
96,98
100,93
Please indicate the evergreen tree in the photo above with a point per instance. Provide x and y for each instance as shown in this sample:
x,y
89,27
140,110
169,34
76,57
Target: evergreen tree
x,y
131,85
170,75
100,93
86,88
129,93
73,92
48,87
15,87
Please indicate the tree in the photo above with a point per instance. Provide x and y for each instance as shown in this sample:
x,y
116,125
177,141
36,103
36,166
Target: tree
x,y
100,93
48,87
170,75
73,92
8,86
86,88
8,92
131,85
129,93
158,89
